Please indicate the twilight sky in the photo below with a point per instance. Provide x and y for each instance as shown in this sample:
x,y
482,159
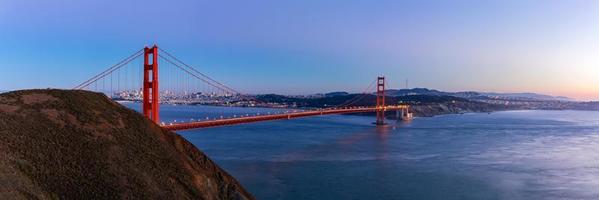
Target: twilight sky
x,y
299,47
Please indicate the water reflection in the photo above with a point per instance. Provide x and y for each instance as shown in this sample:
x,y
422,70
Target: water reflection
x,y
382,143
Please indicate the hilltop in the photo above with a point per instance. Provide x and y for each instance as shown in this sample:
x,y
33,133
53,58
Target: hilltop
x,y
59,144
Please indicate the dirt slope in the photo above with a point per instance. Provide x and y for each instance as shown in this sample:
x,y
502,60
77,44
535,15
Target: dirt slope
x,y
80,145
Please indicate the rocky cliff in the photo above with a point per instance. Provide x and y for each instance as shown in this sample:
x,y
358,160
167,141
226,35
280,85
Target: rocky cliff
x,y
81,145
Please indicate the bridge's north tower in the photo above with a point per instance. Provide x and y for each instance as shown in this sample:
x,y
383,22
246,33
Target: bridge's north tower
x,y
380,100
150,86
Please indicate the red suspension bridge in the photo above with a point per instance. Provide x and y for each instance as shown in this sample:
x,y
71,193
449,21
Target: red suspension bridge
x,y
181,82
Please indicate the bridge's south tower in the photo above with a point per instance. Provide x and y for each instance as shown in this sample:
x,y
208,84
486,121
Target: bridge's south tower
x,y
380,100
150,86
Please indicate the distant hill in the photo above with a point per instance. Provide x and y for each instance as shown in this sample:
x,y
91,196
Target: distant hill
x,y
428,102
275,98
527,96
357,99
421,105
59,144
593,105
477,95
415,91
333,94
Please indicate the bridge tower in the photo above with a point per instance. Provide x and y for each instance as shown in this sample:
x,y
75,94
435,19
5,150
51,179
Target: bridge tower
x,y
380,100
150,85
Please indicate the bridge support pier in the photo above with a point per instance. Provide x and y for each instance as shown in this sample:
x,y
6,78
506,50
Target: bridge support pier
x,y
403,114
150,85
380,101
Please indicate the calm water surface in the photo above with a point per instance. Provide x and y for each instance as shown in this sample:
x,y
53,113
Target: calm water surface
x,y
504,155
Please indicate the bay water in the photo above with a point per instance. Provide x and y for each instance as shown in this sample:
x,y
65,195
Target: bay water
x,y
502,155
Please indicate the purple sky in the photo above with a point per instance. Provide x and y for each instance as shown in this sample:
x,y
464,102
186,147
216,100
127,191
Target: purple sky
x,y
299,47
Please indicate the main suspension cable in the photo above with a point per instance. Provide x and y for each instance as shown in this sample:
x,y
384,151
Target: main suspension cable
x,y
109,70
196,71
357,98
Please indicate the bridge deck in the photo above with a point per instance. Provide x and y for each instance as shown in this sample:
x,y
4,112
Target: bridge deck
x,y
259,118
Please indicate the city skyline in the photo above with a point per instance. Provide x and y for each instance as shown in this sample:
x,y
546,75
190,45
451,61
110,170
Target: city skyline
x,y
547,47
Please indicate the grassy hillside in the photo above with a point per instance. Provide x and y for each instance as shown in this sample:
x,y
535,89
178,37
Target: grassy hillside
x,y
80,145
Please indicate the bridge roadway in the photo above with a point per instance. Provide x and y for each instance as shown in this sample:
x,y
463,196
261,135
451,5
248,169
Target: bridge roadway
x,y
271,117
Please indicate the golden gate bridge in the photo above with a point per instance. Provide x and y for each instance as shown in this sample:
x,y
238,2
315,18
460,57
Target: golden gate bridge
x,y
127,80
